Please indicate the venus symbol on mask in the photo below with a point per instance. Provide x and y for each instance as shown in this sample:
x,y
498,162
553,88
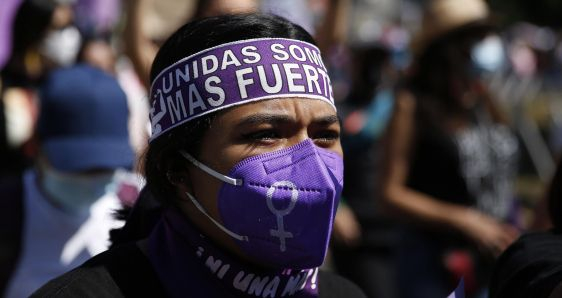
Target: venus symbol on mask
x,y
280,213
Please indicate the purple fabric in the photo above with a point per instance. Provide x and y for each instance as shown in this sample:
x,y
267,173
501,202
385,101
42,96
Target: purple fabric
x,y
459,291
189,265
237,73
97,15
286,205
8,9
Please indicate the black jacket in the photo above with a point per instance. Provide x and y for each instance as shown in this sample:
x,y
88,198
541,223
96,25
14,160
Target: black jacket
x,y
125,271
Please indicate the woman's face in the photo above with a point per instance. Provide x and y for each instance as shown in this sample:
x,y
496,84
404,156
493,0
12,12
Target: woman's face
x,y
249,130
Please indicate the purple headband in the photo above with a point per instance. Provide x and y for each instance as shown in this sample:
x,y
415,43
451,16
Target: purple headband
x,y
236,73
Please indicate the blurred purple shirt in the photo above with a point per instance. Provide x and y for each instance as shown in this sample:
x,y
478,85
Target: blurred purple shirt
x,y
97,15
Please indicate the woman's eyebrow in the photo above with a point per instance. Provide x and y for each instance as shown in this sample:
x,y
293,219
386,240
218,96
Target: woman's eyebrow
x,y
264,118
326,120
257,119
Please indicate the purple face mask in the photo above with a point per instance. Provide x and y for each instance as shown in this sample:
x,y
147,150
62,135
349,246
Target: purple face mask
x,y
280,205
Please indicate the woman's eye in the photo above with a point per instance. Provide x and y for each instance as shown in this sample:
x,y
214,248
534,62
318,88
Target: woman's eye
x,y
262,135
328,136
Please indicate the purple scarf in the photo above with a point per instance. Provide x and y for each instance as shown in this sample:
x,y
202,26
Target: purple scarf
x,y
189,265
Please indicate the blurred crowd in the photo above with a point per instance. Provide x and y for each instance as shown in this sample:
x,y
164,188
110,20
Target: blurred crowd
x,y
451,129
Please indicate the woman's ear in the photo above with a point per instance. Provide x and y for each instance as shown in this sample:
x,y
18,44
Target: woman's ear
x,y
176,178
180,181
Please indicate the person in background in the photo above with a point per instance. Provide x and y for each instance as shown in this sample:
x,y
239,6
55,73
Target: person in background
x,y
43,38
141,48
532,266
97,52
60,212
364,238
248,171
450,159
147,24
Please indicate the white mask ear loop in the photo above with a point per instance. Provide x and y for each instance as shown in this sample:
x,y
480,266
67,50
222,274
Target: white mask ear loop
x,y
210,171
229,232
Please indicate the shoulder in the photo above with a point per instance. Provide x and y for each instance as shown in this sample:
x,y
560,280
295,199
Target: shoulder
x,y
92,279
541,247
532,266
120,272
81,282
332,285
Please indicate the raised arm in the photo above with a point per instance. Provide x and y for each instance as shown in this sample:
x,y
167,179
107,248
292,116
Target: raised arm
x,y
138,47
414,206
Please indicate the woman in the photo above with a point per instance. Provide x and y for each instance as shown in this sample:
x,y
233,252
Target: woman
x,y
42,40
450,159
245,158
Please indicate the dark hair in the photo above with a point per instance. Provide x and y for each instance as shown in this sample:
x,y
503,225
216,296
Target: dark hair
x,y
554,199
368,65
439,63
29,27
31,22
162,158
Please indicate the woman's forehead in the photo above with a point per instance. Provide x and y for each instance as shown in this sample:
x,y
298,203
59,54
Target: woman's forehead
x,y
294,108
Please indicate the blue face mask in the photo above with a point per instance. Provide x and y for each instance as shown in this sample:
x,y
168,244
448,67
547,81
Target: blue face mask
x,y
488,55
75,192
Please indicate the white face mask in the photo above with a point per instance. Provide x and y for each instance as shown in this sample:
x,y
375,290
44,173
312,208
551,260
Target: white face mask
x,y
62,46
489,54
75,192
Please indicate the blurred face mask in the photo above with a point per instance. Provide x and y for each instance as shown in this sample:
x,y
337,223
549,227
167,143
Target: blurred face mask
x,y
488,55
61,46
75,192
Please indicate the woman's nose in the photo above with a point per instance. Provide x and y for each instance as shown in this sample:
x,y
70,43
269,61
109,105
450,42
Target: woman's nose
x,y
298,137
